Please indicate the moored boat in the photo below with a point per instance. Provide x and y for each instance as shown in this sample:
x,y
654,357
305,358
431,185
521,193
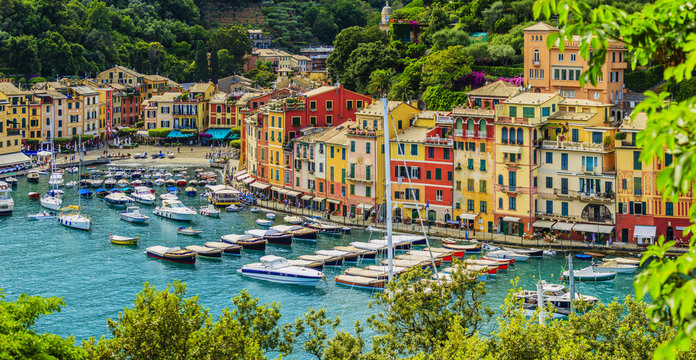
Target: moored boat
x,y
293,220
173,254
143,195
123,240
44,215
297,231
614,266
209,210
360,282
132,214
324,228
33,176
227,248
469,249
528,252
273,236
118,199
34,195
205,252
504,254
246,241
264,222
190,191
71,217
234,208
189,231
589,274
554,294
6,201
277,269
325,259
174,210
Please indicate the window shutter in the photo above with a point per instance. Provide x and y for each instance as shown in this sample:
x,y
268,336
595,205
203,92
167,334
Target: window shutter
x,y
630,207
644,206
620,208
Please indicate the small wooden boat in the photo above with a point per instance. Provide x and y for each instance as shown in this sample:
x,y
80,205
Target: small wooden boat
x,y
123,240
193,182
205,252
583,256
502,261
234,208
375,274
614,266
181,182
264,222
71,184
589,274
469,249
491,263
528,252
173,254
273,236
188,231
360,282
627,261
489,247
594,254
317,265
44,215
270,216
345,255
209,210
34,195
191,191
229,249
33,176
297,231
325,259
503,254
396,270
248,242
418,258
362,253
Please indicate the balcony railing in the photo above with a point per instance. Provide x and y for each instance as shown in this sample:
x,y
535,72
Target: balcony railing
x,y
482,134
628,143
508,189
13,132
470,133
360,132
458,132
513,120
569,145
434,140
579,195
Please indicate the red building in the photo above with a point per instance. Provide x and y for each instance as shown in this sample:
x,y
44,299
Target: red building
x,y
490,95
130,108
439,167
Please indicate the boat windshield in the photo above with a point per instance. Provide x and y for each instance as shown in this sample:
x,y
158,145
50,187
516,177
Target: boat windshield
x,y
176,205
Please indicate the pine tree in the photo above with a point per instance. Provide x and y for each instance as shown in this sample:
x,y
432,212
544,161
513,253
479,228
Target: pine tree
x,y
200,69
214,66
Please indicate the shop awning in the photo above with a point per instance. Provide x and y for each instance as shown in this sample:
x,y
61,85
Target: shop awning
x,y
412,205
178,134
544,224
239,172
365,207
249,180
260,185
644,231
275,188
242,177
319,199
468,216
334,201
600,229
292,193
13,159
142,133
218,134
307,197
511,219
563,226
509,149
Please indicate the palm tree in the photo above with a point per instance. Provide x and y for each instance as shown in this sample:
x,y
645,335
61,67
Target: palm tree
x,y
380,82
401,91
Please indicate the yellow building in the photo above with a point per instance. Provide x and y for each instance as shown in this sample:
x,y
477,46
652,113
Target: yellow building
x,y
17,109
518,126
120,75
190,109
337,170
576,177
10,135
276,161
408,173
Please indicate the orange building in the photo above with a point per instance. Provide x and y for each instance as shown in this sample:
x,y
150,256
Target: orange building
x,y
552,71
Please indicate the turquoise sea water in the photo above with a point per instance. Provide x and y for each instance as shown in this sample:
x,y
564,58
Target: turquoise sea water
x,y
98,279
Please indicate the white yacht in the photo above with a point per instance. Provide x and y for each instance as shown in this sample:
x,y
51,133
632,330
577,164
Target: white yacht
x,y
53,202
175,210
56,179
118,199
277,269
143,195
70,217
6,202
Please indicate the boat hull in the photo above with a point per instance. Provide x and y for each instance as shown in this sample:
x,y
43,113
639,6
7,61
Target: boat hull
x,y
283,239
144,201
80,225
272,276
377,285
125,242
133,220
173,216
189,260
305,235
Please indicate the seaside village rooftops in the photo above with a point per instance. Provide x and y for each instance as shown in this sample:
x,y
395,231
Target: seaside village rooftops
x,y
9,89
498,88
583,102
635,125
530,98
377,108
571,115
414,134
464,111
168,96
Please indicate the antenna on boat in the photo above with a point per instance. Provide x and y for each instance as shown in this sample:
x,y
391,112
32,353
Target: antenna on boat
x,y
571,280
387,190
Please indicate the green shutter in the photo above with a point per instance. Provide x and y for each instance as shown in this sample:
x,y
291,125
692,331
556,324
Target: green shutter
x,y
620,208
368,170
483,165
630,207
644,207
343,176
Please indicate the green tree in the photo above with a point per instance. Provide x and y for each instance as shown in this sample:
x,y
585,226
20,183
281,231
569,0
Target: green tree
x,y
214,67
380,82
449,37
347,41
502,53
23,54
438,19
200,69
18,338
311,330
233,39
447,67
324,26
438,97
655,35
365,59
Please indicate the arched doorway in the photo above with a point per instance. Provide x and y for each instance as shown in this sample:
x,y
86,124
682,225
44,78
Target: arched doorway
x,y
447,217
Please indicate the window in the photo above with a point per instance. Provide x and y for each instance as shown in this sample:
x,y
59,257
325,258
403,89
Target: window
x,y
329,119
596,137
500,203
368,191
449,176
438,195
352,170
575,136
368,172
427,174
624,184
549,157
445,153
431,152
512,178
329,105
482,186
458,184
512,203
505,135
668,159
549,182
573,57
312,120
528,112
400,149
560,57
545,111
470,185
332,188
513,111
343,176
483,165
500,179
470,164
637,186
438,174
343,154
483,206
359,104
482,147
549,207
536,57
313,105
470,205
564,209
296,121
520,136
414,150
352,146
637,164
331,173
367,148
564,161
669,208
349,104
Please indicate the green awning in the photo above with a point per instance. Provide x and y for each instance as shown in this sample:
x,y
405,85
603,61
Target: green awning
x,y
218,134
178,134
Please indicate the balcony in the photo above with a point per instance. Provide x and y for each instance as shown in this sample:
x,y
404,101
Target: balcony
x,y
619,65
470,133
585,196
555,216
294,106
569,145
434,140
482,134
458,132
444,120
355,178
513,120
360,132
511,160
628,143
508,189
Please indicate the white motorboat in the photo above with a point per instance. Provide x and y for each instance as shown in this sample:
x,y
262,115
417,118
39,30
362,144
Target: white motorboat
x,y
44,215
109,183
143,195
132,214
270,216
70,217
277,269
293,220
33,176
549,252
56,179
489,247
589,274
614,266
254,210
209,210
555,294
118,199
51,202
122,183
168,196
71,184
264,222
11,180
505,254
175,210
369,246
626,261
6,201
189,231
234,208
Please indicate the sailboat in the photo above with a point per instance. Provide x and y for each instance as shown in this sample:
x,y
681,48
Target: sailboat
x,y
53,200
71,216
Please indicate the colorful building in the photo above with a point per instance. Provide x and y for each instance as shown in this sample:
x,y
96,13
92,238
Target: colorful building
x,y
336,170
488,96
518,125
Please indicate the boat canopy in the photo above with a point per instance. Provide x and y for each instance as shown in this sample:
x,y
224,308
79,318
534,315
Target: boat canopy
x,y
274,262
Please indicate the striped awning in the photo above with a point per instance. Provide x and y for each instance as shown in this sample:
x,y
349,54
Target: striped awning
x,y
543,224
249,180
260,185
307,197
13,159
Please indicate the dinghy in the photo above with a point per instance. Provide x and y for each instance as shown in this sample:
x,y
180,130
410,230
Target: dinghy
x,y
205,252
189,231
123,240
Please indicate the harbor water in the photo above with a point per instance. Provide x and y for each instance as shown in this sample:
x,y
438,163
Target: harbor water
x,y
98,279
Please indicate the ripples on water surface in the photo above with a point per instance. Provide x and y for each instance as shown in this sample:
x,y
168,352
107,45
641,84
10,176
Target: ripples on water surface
x,y
98,279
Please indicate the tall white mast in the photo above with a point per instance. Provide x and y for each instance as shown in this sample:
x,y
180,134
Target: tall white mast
x,y
387,189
